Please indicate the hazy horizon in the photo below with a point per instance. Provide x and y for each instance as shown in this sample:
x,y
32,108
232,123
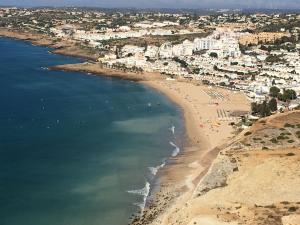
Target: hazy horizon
x,y
156,4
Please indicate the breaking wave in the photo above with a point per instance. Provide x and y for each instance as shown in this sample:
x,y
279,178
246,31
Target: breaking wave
x,y
143,192
176,150
154,170
172,129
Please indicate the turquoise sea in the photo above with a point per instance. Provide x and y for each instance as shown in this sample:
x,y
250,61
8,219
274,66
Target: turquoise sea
x,y
76,149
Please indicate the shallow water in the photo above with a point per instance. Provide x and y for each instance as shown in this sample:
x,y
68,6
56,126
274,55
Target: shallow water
x,y
74,149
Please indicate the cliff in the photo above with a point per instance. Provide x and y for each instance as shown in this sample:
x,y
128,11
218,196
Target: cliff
x,y
254,180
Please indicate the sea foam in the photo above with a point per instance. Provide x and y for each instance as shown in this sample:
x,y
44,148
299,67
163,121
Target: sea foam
x,y
154,170
143,192
176,150
172,129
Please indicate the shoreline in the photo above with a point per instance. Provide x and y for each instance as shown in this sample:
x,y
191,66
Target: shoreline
x,y
61,47
204,130
97,69
202,143
206,133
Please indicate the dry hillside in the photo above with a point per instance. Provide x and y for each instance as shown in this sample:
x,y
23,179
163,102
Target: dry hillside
x,y
255,180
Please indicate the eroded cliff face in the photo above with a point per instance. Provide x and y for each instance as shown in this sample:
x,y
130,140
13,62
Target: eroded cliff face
x,y
254,180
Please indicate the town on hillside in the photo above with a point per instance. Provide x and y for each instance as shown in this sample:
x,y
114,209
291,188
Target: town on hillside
x,y
256,53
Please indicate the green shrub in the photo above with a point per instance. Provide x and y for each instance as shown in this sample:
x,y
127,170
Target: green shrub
x,y
281,137
274,140
289,125
290,154
247,133
292,209
256,139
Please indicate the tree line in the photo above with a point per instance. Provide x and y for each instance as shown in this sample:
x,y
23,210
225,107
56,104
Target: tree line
x,y
267,107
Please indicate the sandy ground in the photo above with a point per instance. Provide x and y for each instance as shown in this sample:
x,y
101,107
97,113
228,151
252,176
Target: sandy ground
x,y
263,191
207,110
207,114
263,187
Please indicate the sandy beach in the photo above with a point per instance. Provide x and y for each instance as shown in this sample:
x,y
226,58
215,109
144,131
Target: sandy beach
x,y
208,112
208,115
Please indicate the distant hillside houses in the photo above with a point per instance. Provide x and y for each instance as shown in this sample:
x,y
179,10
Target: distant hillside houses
x,y
167,50
152,51
151,24
224,47
131,50
262,37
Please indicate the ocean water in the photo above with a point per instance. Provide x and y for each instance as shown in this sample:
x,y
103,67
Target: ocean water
x,y
76,149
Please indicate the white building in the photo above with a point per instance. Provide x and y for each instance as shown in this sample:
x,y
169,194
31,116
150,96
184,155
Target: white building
x,y
184,49
152,51
166,50
225,46
205,43
131,50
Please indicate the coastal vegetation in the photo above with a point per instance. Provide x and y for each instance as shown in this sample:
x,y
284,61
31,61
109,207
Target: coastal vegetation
x,y
287,95
263,109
